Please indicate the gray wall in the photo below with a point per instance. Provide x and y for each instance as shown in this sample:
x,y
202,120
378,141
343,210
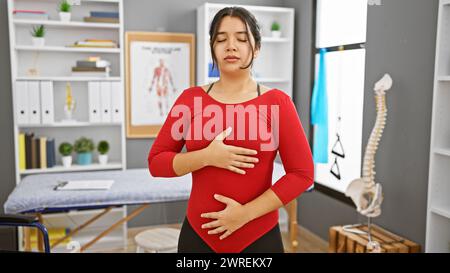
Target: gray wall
x,y
401,41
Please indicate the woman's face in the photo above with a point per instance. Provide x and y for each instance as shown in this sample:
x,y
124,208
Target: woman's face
x,y
231,47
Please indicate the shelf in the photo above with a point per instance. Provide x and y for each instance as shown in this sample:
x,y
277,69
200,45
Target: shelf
x,y
74,168
441,212
67,49
444,78
269,39
441,151
67,79
66,124
54,23
86,1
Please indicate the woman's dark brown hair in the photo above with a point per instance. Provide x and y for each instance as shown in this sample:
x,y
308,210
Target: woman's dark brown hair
x,y
249,21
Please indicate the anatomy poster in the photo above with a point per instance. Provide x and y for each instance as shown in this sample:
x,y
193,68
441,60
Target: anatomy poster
x,y
160,71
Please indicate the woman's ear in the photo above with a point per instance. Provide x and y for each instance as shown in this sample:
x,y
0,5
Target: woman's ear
x,y
256,53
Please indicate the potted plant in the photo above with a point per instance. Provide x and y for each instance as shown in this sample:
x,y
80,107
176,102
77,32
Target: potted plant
x,y
64,10
275,28
103,148
65,149
38,34
84,147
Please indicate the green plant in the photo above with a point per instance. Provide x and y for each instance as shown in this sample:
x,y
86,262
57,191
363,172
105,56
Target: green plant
x,y
84,145
275,26
64,6
65,149
103,147
38,31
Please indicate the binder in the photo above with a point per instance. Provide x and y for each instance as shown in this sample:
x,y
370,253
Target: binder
x,y
43,152
34,102
28,150
37,146
105,99
22,165
94,101
22,114
47,108
50,145
117,102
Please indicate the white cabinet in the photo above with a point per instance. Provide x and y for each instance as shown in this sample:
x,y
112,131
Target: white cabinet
x,y
38,98
275,63
438,212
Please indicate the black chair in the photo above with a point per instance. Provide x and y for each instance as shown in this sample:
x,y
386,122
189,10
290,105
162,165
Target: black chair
x,y
12,220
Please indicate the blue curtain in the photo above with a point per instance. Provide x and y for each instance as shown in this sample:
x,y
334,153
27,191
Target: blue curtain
x,y
319,112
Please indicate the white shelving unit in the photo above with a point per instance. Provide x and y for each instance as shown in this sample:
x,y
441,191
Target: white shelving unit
x,y
54,62
274,65
438,212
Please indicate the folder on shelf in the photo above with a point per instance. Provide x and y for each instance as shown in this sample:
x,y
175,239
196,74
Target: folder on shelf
x,y
28,150
34,102
22,165
51,160
22,102
33,153
116,101
47,107
94,101
37,146
105,101
43,152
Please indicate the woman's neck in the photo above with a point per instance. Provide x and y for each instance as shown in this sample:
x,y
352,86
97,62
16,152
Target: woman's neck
x,y
236,83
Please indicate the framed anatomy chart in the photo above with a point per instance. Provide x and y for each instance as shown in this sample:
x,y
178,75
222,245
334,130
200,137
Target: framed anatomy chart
x,y
159,66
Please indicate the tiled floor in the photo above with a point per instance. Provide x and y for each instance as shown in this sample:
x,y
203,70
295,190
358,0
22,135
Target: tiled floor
x,y
308,242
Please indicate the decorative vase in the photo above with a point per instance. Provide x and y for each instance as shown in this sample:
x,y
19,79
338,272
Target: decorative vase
x,y
64,16
84,158
38,41
103,159
276,33
67,161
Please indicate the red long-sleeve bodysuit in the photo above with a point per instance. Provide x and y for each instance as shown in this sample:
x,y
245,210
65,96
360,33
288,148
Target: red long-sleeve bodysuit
x,y
292,145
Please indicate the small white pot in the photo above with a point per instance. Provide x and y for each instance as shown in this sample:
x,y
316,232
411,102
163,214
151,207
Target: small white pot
x,y
103,159
67,161
38,41
276,33
64,16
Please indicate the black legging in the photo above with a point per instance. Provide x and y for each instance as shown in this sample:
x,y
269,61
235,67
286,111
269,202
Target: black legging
x,y
190,242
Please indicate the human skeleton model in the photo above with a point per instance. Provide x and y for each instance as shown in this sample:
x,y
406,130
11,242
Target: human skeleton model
x,y
365,193
162,77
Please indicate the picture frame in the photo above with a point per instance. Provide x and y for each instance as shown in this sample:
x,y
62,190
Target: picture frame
x,y
158,67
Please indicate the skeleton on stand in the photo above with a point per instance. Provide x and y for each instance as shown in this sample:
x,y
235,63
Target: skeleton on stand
x,y
365,193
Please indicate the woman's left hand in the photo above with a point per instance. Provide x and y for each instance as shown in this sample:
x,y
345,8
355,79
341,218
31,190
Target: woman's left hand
x,y
228,220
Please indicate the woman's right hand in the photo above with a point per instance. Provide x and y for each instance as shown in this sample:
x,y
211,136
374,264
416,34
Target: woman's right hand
x,y
229,157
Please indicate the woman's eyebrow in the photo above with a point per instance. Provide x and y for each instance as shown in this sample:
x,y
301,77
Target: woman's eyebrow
x,y
237,32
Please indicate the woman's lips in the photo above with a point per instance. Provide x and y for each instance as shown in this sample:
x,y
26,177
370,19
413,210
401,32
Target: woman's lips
x,y
231,59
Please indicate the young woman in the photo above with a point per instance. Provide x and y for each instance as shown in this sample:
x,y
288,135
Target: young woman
x,y
233,206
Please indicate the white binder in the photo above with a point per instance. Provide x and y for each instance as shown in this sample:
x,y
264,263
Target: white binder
x,y
47,107
22,109
117,102
105,99
34,102
94,101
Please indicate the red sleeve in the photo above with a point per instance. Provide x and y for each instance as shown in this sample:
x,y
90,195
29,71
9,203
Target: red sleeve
x,y
295,155
166,145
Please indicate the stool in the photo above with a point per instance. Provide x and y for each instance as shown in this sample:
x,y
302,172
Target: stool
x,y
157,240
